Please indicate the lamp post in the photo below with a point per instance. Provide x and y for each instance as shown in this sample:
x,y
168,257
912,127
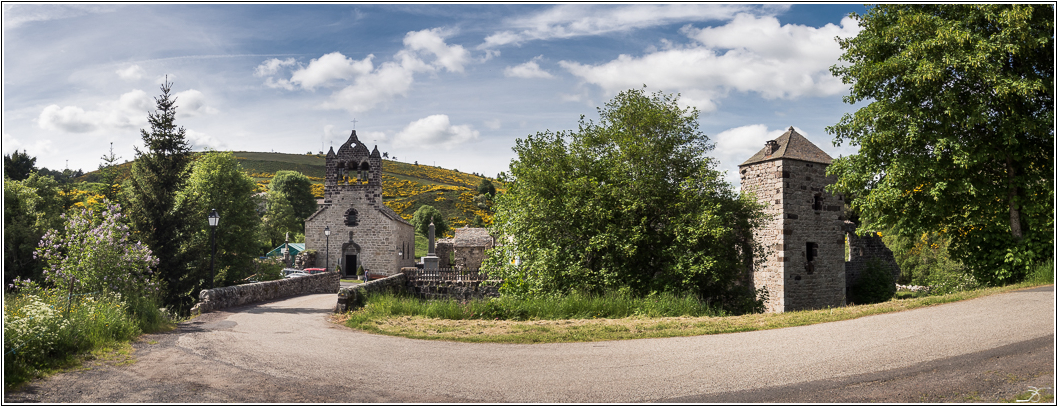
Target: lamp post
x,y
214,219
327,232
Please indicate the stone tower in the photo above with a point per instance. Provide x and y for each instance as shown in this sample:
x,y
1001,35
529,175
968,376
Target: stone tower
x,y
364,232
803,234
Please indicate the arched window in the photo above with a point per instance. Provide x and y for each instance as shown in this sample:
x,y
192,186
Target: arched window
x,y
365,170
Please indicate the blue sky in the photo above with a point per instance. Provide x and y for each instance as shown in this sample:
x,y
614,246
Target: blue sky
x,y
449,84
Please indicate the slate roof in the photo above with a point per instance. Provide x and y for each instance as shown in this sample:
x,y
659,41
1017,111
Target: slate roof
x,y
791,145
473,237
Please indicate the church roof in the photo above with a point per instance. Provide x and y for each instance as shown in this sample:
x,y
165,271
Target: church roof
x,y
790,145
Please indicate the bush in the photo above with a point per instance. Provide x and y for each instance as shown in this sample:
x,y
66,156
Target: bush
x,y
875,284
47,328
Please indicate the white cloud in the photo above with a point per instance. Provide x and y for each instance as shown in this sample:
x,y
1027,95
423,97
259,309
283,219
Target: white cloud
x,y
203,141
388,81
37,148
736,145
271,66
371,85
333,67
127,112
565,21
749,54
493,124
15,15
192,103
451,57
433,132
131,73
527,70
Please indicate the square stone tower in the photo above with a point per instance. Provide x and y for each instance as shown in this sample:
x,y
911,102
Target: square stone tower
x,y
803,236
364,232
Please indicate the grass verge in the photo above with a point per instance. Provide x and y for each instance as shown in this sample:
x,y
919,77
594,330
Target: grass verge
x,y
587,329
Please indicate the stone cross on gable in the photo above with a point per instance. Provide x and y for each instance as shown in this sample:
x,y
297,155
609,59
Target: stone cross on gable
x,y
354,123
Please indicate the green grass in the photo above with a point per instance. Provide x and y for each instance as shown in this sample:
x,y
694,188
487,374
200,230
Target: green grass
x,y
43,332
422,245
589,319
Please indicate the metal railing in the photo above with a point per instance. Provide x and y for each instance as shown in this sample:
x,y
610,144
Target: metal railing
x,y
446,274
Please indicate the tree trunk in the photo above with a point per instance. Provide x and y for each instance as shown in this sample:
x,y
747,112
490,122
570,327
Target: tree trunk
x,y
1015,214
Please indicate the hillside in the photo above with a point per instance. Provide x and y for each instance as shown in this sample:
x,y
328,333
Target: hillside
x,y
405,187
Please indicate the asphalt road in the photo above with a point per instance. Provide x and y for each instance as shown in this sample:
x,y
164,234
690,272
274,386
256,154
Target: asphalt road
x,y
986,349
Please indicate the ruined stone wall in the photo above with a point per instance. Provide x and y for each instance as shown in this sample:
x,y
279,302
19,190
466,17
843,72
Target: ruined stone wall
x,y
468,258
862,249
443,248
801,218
225,297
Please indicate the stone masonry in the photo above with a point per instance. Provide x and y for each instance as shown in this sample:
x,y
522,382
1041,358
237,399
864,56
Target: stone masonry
x,y
362,228
861,250
465,250
803,236
232,296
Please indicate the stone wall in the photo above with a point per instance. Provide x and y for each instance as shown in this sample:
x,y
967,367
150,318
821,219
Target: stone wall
x,y
350,298
225,297
803,221
456,290
862,249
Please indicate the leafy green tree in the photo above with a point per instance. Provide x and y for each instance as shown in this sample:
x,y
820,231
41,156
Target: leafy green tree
x,y
218,182
298,190
485,187
957,133
279,220
157,175
31,208
629,203
421,221
18,166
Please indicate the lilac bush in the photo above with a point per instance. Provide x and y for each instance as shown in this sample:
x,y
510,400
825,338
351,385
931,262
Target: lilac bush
x,y
94,253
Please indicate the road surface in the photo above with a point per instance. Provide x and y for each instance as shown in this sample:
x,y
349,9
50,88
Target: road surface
x,y
985,349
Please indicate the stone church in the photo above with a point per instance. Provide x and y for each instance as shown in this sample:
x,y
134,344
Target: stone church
x,y
804,235
363,231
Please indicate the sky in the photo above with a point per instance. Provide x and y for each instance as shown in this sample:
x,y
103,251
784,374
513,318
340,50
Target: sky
x,y
452,85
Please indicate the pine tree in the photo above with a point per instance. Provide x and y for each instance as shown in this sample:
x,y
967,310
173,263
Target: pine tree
x,y
157,175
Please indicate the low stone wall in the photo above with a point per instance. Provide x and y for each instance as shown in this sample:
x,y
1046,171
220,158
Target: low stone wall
x,y
456,290
224,297
350,298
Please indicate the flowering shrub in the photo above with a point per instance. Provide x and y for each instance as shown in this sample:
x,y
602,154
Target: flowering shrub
x,y
45,327
94,254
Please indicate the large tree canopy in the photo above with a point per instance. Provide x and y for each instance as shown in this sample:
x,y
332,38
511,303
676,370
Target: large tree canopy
x,y
630,202
298,190
218,182
957,136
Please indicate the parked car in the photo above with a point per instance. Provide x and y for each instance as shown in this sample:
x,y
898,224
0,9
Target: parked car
x,y
287,272
298,274
316,270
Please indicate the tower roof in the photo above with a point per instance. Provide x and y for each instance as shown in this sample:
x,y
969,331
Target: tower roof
x,y
790,145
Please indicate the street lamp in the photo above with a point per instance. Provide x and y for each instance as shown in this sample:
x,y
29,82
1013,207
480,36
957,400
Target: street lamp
x,y
327,232
214,219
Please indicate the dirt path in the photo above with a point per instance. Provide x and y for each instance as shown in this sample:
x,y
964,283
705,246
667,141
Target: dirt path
x,y
986,349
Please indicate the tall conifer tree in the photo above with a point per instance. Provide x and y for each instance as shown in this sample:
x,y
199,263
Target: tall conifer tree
x,y
157,175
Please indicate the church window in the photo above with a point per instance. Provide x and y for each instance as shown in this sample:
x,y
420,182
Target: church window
x,y
351,218
365,170
817,204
